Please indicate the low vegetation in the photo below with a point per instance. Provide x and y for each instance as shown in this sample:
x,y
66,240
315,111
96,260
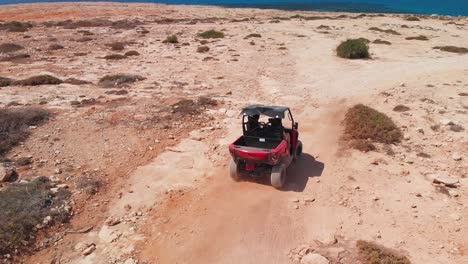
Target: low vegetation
x,y
452,49
203,49
55,47
114,57
132,53
116,45
87,185
75,81
171,39
412,18
15,57
44,79
379,41
5,82
387,31
420,37
365,123
371,253
211,34
9,47
117,80
84,39
353,49
401,108
14,123
253,35
188,107
15,26
25,206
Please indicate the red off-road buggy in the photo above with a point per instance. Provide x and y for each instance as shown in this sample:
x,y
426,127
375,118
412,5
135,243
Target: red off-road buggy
x,y
265,147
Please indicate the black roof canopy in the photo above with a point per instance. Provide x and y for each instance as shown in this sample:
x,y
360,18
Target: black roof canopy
x,y
271,111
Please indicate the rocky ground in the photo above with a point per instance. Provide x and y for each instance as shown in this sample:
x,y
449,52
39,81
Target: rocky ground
x,y
148,169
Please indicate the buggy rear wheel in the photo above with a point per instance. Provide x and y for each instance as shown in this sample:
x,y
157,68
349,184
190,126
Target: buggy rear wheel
x,y
299,149
278,176
234,171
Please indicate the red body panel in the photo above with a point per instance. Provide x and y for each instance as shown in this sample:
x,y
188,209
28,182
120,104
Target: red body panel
x,y
260,155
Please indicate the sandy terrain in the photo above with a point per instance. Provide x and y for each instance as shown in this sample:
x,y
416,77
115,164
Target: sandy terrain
x,y
165,174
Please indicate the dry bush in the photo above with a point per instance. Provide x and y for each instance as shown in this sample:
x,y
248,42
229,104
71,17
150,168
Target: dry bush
x,y
371,253
44,79
463,94
15,26
420,37
324,27
207,101
114,57
203,49
24,206
253,35
86,32
5,82
362,145
456,128
401,108
89,186
15,57
379,41
84,39
117,80
171,39
453,49
9,47
116,45
388,31
412,18
353,49
132,53
75,81
56,47
211,34
363,122
14,123
79,54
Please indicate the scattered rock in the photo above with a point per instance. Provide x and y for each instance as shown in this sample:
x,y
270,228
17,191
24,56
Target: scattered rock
x,y
446,180
447,122
456,157
89,249
314,258
112,221
7,172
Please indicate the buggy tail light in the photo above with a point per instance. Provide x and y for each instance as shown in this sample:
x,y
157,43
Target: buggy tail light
x,y
233,152
273,157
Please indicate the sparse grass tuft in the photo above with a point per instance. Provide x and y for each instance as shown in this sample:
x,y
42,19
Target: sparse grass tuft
x,y
171,39
117,80
44,79
420,37
353,49
388,31
372,253
379,41
14,124
24,206
75,81
203,49
211,34
10,47
453,49
114,57
365,123
15,26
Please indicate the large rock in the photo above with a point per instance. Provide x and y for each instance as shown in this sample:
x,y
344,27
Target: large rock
x,y
314,258
446,180
7,172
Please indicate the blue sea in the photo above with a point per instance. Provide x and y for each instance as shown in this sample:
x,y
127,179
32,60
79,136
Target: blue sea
x,y
439,7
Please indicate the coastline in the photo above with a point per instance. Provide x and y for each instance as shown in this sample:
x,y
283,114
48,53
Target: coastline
x,y
272,7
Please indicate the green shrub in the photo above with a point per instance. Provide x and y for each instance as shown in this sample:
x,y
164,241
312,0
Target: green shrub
x,y
9,47
14,123
171,39
353,49
24,206
371,253
452,49
363,122
44,79
211,34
